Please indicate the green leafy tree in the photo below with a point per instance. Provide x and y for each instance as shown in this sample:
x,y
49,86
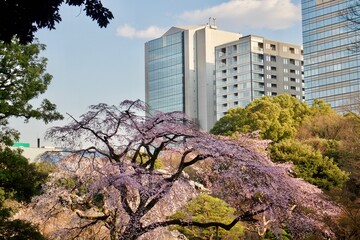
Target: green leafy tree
x,y
205,208
23,78
309,164
19,181
277,118
22,18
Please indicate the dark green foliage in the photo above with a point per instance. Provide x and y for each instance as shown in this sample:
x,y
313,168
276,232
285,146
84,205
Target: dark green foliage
x,y
23,78
309,164
22,18
205,208
328,147
19,230
19,179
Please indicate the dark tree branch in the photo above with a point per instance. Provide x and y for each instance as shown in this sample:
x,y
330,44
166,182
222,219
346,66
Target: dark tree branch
x,y
247,216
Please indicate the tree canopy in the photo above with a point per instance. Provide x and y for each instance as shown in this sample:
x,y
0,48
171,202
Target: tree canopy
x,y
118,188
22,18
23,78
291,125
19,181
309,164
18,178
276,117
323,146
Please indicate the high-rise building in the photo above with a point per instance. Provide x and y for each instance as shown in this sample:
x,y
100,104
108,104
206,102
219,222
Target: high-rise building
x,y
179,71
252,67
203,71
331,68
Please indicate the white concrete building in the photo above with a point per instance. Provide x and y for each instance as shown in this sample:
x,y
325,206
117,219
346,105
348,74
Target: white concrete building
x,y
254,66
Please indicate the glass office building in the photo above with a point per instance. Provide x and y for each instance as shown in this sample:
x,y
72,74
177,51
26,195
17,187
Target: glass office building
x,y
165,73
331,67
180,71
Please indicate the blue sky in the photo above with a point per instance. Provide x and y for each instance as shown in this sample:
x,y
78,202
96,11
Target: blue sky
x,y
92,65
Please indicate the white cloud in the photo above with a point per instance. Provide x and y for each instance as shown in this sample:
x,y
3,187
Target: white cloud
x,y
233,15
130,32
269,14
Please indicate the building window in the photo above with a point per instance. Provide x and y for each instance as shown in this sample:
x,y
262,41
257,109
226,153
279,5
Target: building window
x,y
273,93
272,58
286,79
292,70
292,50
292,61
292,79
285,61
284,49
273,68
273,47
273,85
292,87
273,76
286,87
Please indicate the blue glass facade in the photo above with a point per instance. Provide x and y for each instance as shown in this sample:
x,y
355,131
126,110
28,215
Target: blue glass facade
x,y
165,73
331,68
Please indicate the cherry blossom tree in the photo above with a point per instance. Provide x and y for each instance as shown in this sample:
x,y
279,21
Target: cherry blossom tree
x,y
110,179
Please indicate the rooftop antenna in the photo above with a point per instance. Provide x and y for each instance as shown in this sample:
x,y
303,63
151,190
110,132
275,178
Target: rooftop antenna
x,y
213,26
